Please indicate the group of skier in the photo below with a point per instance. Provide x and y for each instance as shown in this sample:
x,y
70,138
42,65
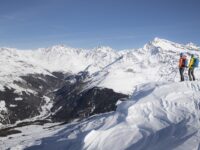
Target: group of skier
x,y
183,63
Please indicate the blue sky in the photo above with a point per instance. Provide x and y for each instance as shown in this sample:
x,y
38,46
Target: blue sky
x,y
121,24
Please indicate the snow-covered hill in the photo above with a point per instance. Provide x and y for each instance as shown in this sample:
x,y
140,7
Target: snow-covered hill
x,y
157,116
63,84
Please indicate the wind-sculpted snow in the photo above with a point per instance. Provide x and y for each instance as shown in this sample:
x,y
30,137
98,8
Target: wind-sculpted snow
x,y
157,116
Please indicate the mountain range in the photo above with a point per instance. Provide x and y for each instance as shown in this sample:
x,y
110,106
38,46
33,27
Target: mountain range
x,y
101,98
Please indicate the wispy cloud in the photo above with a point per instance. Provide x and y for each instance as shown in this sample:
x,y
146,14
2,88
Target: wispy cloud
x,y
13,17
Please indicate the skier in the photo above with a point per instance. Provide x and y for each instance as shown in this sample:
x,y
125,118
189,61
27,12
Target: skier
x,y
194,61
182,65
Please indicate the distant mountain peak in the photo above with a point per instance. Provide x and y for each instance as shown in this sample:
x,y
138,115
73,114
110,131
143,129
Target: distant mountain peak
x,y
8,51
58,49
103,49
157,39
192,46
160,40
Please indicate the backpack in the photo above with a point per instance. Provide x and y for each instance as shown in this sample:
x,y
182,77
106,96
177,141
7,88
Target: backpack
x,y
196,62
183,62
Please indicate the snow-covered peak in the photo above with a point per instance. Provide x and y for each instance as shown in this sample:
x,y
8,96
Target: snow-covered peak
x,y
193,46
103,49
102,56
165,44
7,51
157,39
158,114
161,45
153,62
58,50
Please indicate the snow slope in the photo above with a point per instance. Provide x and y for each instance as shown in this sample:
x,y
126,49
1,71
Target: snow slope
x,y
156,61
161,112
161,115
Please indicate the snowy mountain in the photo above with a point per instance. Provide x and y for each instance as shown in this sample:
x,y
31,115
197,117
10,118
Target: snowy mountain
x,y
67,84
156,54
157,116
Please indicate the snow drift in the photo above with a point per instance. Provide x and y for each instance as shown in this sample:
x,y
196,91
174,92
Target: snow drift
x,y
157,116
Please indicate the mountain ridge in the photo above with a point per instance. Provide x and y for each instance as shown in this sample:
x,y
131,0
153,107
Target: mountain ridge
x,y
120,71
132,89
